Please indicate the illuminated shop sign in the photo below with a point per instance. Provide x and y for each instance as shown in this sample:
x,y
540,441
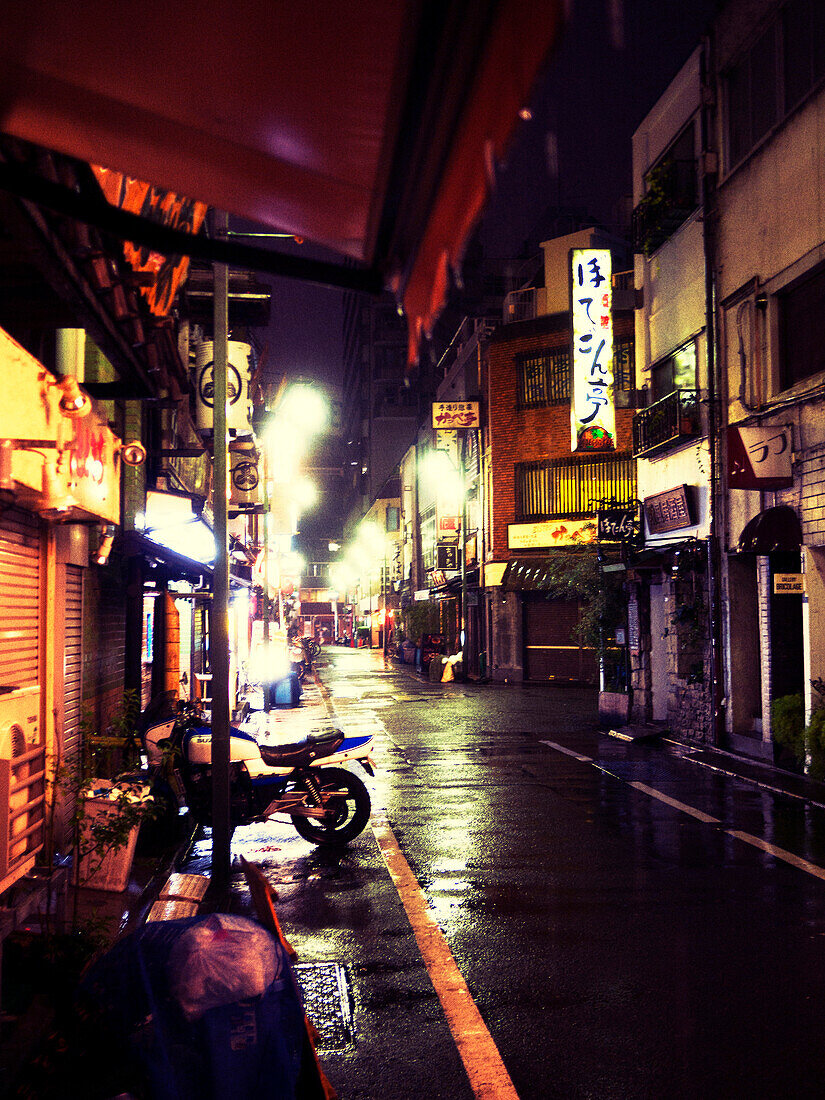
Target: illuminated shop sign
x,y
165,273
543,533
592,411
455,414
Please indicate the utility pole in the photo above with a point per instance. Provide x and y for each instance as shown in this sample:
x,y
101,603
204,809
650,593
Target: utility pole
x,y
219,641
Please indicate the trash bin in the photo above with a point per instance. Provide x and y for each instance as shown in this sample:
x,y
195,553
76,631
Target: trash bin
x,y
285,692
245,1044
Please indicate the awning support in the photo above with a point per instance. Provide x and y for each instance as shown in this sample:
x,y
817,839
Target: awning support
x,y
132,227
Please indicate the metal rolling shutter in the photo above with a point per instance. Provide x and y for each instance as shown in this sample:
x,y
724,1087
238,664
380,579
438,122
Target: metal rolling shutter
x,y
551,650
72,667
19,599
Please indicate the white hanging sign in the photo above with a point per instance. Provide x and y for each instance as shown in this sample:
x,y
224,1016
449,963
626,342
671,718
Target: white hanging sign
x,y
592,410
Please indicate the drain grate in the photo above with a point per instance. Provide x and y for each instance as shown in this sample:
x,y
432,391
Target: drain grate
x,y
328,1003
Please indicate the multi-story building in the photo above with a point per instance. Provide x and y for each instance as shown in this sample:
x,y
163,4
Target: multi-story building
x,y
546,485
381,408
671,582
768,252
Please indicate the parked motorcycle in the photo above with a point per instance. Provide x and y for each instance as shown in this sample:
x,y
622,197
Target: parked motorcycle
x,y
327,803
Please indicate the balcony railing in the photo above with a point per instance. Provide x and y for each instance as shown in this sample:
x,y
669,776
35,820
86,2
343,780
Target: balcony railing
x,y
666,422
521,305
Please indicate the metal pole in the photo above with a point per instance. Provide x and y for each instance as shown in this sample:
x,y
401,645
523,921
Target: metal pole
x,y
219,646
265,610
463,629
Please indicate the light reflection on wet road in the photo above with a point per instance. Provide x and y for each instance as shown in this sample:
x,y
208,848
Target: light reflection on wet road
x,y
616,942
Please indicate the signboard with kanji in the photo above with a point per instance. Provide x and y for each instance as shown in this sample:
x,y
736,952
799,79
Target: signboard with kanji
x,y
668,511
455,414
618,524
592,411
562,532
448,556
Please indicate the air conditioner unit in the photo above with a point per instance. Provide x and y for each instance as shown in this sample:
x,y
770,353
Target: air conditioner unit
x,y
22,783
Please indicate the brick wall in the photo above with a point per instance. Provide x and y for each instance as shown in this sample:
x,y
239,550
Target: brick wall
x,y
536,434
807,494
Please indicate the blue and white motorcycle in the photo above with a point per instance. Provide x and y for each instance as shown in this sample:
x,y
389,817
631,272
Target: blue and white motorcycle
x,y
304,780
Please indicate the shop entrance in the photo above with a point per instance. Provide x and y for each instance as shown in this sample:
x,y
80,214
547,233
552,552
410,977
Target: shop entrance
x,y
787,654
659,629
551,649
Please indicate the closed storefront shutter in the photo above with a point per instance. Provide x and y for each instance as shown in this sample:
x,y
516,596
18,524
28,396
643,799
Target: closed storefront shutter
x,y
552,651
19,599
72,675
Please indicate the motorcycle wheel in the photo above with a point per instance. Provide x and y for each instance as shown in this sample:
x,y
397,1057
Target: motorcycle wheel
x,y
351,812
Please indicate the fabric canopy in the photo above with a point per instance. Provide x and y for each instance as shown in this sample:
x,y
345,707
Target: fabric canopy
x,y
370,129
775,530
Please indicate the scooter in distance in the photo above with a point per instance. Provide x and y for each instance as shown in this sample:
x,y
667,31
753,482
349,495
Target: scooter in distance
x,y
304,780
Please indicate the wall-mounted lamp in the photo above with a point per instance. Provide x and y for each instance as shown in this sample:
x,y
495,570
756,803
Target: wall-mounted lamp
x,y
131,454
55,496
73,403
107,537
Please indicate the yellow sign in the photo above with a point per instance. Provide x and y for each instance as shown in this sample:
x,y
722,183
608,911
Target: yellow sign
x,y
789,584
557,532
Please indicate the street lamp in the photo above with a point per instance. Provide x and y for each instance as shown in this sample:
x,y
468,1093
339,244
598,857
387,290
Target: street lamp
x,y
450,491
300,413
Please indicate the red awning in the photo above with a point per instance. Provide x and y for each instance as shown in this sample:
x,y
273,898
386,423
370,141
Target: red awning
x,y
370,129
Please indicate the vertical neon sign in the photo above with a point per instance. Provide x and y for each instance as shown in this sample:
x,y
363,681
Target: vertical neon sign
x,y
592,409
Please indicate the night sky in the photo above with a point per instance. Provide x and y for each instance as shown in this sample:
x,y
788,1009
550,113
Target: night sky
x,y
613,61
571,160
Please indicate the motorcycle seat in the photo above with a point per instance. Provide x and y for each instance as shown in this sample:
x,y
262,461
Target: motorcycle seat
x,y
300,754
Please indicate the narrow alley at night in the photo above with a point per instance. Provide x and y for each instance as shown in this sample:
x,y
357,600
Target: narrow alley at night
x,y
412,549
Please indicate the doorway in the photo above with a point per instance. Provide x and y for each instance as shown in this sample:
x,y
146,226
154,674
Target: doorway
x,y
659,629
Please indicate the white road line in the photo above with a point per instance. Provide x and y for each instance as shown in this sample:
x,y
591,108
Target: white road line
x,y
674,802
569,752
747,838
780,853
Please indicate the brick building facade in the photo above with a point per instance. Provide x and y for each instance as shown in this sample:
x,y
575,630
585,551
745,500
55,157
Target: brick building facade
x,y
536,479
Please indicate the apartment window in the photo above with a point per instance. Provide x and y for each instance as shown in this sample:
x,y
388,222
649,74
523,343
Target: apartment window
x,y
393,517
753,86
802,329
428,539
677,372
783,65
543,378
671,194
575,486
624,354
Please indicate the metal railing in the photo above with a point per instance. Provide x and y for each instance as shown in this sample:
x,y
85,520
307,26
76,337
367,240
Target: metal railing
x,y
572,486
520,305
671,420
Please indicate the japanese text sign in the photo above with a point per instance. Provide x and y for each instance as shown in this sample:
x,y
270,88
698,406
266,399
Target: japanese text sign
x,y
592,411
536,536
668,511
759,456
455,414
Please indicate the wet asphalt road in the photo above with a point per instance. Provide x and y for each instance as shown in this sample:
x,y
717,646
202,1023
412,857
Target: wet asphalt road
x,y
619,941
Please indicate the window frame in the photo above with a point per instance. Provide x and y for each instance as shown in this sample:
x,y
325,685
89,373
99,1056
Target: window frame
x,y
789,353
563,493
748,65
553,385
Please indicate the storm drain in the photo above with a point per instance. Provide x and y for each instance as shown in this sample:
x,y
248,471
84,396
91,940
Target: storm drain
x,y
328,1003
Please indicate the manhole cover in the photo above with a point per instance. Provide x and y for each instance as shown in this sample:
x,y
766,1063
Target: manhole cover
x,y
328,1003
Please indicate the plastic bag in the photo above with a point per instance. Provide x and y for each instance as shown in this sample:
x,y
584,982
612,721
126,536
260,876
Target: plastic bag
x,y
220,960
